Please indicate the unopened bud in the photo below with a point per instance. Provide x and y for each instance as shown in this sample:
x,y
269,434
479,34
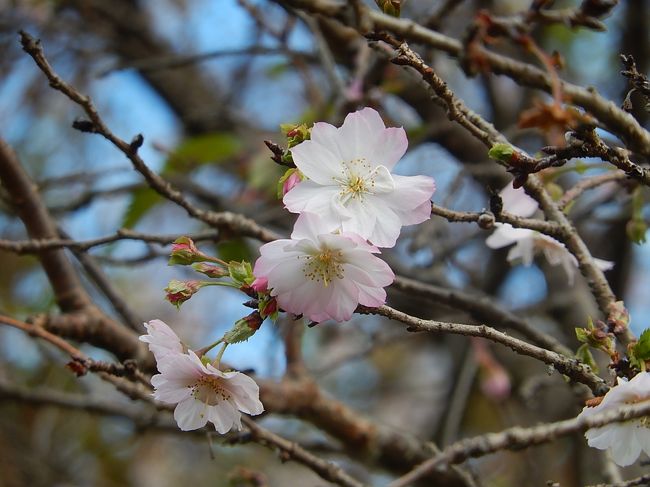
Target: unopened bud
x,y
260,284
180,291
636,230
244,328
390,7
486,220
502,152
295,133
618,318
210,270
286,183
269,307
184,252
495,383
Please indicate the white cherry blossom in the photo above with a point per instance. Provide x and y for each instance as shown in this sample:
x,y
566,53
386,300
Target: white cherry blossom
x,y
203,393
625,441
161,339
350,185
323,275
528,243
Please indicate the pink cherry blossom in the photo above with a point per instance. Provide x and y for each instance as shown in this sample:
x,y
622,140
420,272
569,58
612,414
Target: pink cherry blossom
x,y
203,393
161,339
625,440
349,183
323,275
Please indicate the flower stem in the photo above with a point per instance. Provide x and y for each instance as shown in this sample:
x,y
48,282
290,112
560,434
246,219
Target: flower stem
x,y
220,283
202,351
217,360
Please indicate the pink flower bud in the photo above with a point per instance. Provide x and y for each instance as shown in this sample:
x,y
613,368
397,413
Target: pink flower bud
x,y
184,252
260,284
180,291
269,307
290,182
495,383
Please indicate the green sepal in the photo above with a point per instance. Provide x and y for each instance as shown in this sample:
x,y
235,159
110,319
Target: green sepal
x,y
244,328
642,348
636,230
285,176
241,272
584,355
390,7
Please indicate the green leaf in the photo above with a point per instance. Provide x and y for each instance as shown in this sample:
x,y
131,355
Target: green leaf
x,y
202,149
636,231
191,152
241,272
582,335
236,249
142,200
584,355
642,347
390,7
277,70
580,167
501,152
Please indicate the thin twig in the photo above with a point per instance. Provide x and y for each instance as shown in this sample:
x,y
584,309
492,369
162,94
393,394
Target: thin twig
x,y
482,308
518,437
236,223
38,245
572,368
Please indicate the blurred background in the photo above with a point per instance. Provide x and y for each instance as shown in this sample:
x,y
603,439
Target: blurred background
x,y
206,82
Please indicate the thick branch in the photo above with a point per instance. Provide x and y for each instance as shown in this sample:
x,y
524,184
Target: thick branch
x,y
68,292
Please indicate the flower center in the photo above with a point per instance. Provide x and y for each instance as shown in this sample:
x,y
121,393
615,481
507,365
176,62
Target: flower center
x,y
209,389
324,266
357,179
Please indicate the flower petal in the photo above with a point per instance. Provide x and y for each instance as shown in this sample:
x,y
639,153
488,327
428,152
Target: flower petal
x,y
317,162
191,414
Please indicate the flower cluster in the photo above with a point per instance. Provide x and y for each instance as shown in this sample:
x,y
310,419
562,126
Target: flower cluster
x,y
200,390
528,243
625,440
349,204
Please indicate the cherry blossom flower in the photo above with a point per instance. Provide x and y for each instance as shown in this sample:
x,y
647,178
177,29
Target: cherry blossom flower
x,y
517,202
349,183
323,275
625,440
161,339
203,393
528,243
